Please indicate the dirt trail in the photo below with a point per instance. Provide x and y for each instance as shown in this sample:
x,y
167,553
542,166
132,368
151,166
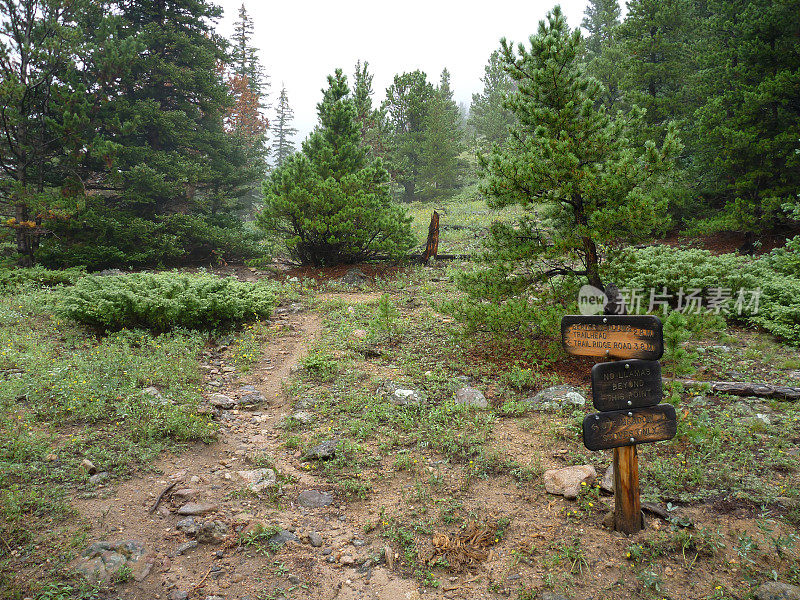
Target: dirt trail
x,y
122,512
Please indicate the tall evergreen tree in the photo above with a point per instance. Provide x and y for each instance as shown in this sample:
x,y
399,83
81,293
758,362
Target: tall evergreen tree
x,y
244,57
488,115
371,121
658,39
442,140
283,146
601,19
44,117
406,106
331,203
171,190
604,55
571,160
747,131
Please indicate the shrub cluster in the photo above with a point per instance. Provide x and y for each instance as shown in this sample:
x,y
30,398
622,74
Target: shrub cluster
x,y
12,278
164,301
775,274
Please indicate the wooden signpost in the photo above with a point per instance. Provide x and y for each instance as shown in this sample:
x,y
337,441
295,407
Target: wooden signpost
x,y
627,392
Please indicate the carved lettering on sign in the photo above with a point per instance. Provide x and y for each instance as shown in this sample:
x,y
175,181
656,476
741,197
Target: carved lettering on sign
x,y
613,336
617,428
626,384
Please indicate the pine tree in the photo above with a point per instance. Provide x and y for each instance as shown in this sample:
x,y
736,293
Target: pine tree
x,y
604,55
442,141
406,105
283,146
571,160
331,203
44,118
657,38
488,115
746,134
171,189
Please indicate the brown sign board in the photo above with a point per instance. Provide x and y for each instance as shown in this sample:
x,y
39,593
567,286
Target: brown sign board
x,y
626,384
613,429
613,336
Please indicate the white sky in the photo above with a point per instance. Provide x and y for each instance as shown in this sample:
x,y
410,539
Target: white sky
x,y
301,41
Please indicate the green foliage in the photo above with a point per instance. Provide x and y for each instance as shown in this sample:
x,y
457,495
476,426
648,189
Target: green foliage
x,y
676,356
320,365
283,146
489,117
385,325
165,301
745,134
681,271
12,278
331,203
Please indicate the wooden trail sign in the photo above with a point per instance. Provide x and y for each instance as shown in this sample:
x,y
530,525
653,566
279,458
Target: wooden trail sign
x,y
627,392
626,384
613,336
606,430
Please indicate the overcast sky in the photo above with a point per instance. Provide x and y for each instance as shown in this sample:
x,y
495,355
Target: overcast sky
x,y
301,41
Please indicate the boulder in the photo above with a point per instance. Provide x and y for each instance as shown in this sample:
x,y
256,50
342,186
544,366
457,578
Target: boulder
x,y
470,396
567,481
283,536
355,277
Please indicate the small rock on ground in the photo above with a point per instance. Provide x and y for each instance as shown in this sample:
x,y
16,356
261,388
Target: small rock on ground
x,y
100,561
193,509
212,532
315,539
222,401
556,398
567,481
323,451
250,396
406,397
258,480
772,590
314,499
607,482
471,396
283,536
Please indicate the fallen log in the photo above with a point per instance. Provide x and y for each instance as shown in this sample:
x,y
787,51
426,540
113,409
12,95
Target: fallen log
x,y
736,388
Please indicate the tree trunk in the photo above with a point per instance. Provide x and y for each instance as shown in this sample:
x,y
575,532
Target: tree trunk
x,y
592,263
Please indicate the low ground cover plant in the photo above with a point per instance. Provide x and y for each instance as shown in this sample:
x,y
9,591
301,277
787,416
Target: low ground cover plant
x,y
165,301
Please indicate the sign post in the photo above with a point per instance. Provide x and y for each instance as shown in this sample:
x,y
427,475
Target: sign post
x,y
627,393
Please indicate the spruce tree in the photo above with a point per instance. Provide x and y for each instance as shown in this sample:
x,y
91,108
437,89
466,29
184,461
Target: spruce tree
x,y
604,55
746,133
488,115
45,133
574,169
171,189
244,57
331,203
442,141
283,146
657,39
372,122
407,103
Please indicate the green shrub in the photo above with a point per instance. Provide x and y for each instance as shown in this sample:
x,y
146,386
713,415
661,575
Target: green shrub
x,y
12,278
165,301
662,267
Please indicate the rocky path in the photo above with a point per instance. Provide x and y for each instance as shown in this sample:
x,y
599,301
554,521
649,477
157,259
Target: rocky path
x,y
307,542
